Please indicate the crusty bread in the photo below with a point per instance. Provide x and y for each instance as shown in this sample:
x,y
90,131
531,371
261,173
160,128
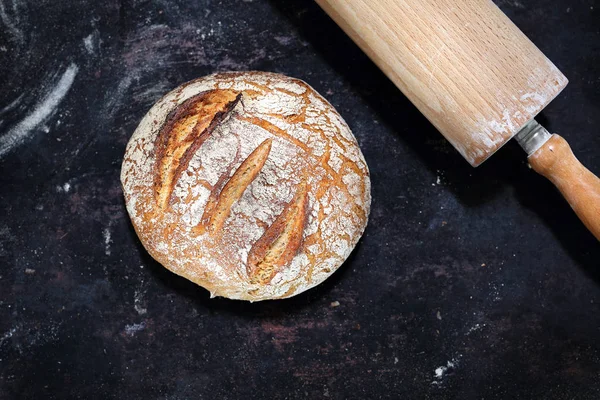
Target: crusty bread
x,y
248,184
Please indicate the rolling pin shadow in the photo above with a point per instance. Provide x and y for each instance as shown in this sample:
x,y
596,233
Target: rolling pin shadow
x,y
476,77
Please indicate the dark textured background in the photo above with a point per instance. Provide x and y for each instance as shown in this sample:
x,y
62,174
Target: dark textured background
x,y
485,272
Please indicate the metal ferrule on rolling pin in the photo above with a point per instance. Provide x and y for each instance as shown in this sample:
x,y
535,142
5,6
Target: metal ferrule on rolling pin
x,y
532,137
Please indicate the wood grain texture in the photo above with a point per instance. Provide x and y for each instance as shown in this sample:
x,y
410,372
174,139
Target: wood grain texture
x,y
578,185
463,63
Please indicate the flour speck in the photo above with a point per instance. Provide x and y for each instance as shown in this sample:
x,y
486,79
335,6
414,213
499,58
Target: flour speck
x,y
138,300
64,188
442,370
7,335
88,43
132,329
107,240
474,328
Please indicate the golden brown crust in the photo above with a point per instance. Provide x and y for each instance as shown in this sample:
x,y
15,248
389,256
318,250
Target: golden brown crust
x,y
249,184
218,207
280,242
184,131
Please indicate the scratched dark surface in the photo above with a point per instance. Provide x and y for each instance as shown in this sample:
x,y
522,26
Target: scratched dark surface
x,y
469,283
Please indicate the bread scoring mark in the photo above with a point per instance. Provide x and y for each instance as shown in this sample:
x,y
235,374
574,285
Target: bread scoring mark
x,y
218,207
274,130
281,241
215,191
184,131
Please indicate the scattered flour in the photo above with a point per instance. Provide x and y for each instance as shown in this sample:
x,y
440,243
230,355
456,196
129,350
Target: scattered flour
x,y
88,43
113,98
440,371
138,300
136,303
10,25
64,188
474,328
132,329
107,240
12,105
18,134
7,335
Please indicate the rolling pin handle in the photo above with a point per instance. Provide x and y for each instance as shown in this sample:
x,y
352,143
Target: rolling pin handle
x,y
580,187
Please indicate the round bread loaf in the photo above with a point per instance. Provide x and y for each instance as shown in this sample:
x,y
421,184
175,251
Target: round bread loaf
x,y
248,184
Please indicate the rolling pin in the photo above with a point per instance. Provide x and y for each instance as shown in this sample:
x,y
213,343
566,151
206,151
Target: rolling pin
x,y
476,77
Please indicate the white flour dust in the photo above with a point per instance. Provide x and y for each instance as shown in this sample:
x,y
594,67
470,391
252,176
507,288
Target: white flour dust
x,y
442,370
107,240
88,43
132,329
19,133
10,25
139,304
475,328
7,335
65,188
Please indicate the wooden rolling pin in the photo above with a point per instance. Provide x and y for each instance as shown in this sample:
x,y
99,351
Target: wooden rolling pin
x,y
476,77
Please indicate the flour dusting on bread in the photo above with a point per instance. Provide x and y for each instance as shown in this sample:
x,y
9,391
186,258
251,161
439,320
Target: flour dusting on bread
x,y
249,184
